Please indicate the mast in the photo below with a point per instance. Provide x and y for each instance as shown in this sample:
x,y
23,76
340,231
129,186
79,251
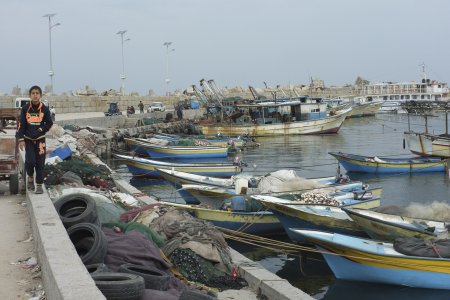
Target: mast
x,y
424,74
214,87
199,94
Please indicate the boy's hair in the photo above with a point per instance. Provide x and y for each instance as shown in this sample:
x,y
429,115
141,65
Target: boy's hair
x,y
35,87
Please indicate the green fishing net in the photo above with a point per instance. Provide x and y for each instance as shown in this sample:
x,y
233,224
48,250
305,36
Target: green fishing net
x,y
93,175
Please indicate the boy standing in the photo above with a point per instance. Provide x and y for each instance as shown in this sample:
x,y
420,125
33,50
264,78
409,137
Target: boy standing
x,y
35,121
141,107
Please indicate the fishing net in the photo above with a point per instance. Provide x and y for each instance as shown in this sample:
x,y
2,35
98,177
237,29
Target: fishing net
x,y
93,175
150,121
313,197
195,268
145,230
71,127
108,212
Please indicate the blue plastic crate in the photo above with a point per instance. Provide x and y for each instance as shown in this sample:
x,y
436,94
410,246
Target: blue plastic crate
x,y
62,152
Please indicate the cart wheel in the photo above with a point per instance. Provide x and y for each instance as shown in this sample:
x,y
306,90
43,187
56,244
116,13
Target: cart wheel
x,y
14,184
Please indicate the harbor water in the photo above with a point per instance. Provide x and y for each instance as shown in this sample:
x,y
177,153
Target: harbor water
x,y
381,135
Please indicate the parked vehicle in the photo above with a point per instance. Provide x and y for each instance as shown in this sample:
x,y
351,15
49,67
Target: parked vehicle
x,y
21,101
113,110
9,151
156,106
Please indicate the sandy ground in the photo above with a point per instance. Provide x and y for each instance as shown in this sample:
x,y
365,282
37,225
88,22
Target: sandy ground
x,y
17,280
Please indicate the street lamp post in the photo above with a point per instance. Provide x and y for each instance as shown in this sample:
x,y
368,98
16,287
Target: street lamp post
x,y
167,44
50,26
122,76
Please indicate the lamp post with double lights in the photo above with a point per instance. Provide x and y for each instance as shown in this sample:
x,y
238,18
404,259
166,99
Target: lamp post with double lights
x,y
50,26
122,76
167,44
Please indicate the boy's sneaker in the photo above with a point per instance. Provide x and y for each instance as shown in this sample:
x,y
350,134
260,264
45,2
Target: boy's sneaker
x,y
39,189
30,185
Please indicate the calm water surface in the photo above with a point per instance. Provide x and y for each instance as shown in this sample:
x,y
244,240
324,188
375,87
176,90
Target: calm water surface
x,y
381,135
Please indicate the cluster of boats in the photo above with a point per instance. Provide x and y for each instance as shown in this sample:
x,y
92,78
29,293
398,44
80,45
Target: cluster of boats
x,y
342,218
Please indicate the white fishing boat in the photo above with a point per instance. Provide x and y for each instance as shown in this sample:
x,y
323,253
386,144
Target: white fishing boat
x,y
280,117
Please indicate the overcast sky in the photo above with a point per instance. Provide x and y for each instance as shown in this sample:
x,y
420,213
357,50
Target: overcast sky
x,y
234,42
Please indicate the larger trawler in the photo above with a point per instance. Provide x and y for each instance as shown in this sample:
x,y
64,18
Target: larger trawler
x,y
392,95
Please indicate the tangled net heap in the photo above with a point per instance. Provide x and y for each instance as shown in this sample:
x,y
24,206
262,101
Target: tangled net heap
x,y
93,175
195,268
320,198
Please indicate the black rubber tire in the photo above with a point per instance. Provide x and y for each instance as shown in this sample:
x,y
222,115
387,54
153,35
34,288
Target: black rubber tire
x,y
120,286
76,208
89,241
97,268
14,184
154,278
189,294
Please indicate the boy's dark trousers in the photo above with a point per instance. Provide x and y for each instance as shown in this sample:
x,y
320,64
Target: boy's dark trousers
x,y
35,158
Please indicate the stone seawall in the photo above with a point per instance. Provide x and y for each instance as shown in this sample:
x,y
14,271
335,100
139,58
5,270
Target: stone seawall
x,y
80,104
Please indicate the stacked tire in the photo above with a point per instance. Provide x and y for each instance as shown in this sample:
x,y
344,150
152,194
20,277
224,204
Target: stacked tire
x,y
78,214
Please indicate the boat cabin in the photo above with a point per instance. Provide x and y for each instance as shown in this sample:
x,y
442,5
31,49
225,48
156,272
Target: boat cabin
x,y
279,111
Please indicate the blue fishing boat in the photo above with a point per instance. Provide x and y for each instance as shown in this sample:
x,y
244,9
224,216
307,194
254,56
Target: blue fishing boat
x,y
359,259
143,167
385,165
144,147
310,216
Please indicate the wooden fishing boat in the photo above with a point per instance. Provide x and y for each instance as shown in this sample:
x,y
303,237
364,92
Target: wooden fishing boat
x,y
388,227
384,165
364,109
160,151
276,124
252,222
359,259
139,166
320,217
179,178
217,196
425,144
220,141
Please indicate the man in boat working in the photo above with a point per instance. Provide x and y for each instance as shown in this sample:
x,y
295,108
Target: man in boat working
x,y
35,121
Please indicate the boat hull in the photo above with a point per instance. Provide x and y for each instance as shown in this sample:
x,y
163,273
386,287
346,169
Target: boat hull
x,y
330,124
362,164
138,168
390,229
257,223
354,262
365,110
157,151
427,144
310,219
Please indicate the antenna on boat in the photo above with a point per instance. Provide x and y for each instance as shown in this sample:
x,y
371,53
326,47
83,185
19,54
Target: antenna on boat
x,y
424,74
